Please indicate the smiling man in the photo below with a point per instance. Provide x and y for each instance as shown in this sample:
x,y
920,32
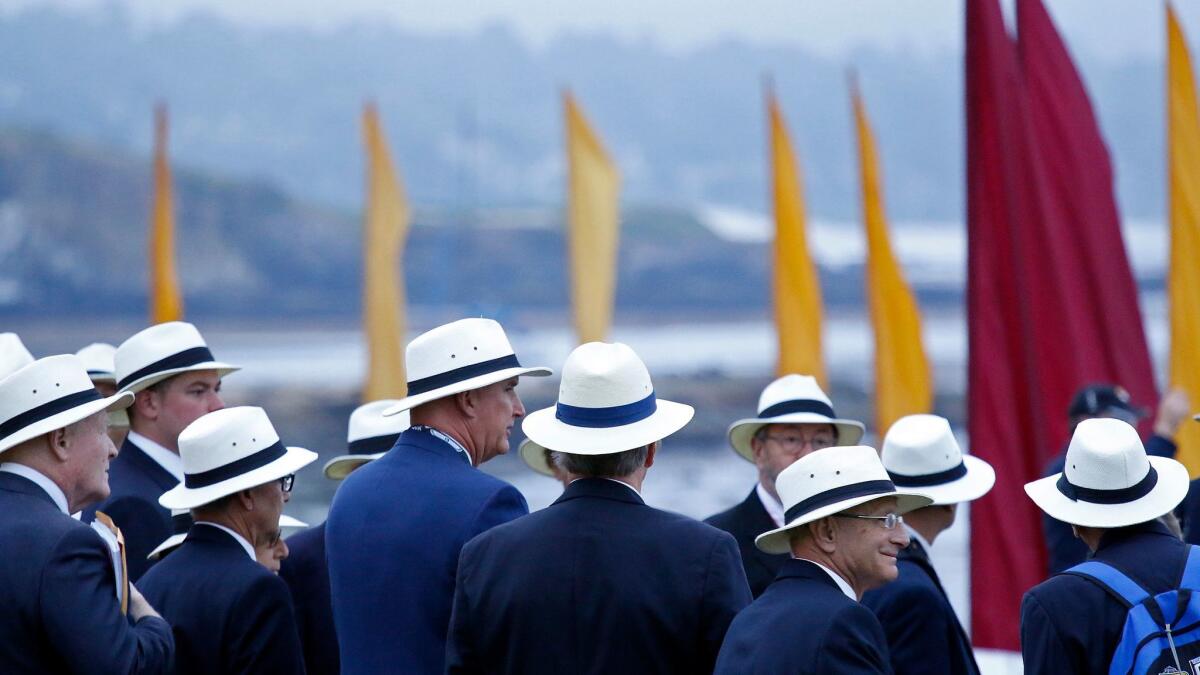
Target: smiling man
x,y
844,532
397,525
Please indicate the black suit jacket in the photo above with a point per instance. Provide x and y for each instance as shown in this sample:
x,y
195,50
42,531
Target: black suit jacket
x,y
229,614
804,625
597,582
1070,624
923,632
745,522
58,595
136,482
306,573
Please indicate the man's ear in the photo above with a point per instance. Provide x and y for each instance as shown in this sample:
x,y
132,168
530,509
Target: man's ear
x,y
246,499
466,402
824,534
146,404
651,450
59,442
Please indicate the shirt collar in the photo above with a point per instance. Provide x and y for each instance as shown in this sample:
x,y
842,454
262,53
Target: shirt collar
x,y
842,584
458,447
773,506
41,480
617,481
917,536
240,539
171,462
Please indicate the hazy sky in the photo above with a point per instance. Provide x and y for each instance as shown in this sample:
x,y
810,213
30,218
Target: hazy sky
x,y
1105,29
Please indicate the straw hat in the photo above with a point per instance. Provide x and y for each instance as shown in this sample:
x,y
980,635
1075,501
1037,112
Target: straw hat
x,y
13,354
100,360
161,351
792,399
49,394
369,436
921,453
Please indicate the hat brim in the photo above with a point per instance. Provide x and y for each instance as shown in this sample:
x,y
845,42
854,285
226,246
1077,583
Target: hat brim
x,y
118,401
183,497
410,402
141,383
741,432
287,521
168,544
340,467
1167,493
102,378
779,539
546,430
535,458
977,482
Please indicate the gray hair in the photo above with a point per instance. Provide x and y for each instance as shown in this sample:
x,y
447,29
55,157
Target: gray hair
x,y
616,465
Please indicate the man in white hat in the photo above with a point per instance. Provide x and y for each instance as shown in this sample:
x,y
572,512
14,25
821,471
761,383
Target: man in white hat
x,y
923,632
58,584
1113,495
175,379
397,525
229,613
306,569
795,418
100,360
843,531
13,354
598,581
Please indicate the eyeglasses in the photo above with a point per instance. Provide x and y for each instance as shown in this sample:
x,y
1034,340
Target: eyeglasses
x,y
796,442
889,522
287,481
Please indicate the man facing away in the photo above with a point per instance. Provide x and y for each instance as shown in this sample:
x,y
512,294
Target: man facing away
x,y
598,581
794,419
844,533
397,525
175,379
58,584
923,632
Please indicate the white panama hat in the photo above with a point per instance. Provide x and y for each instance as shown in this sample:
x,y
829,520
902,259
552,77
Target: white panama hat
x,y
456,357
47,395
792,399
606,404
229,450
829,481
100,360
181,522
13,354
921,453
534,456
369,435
161,351
1108,480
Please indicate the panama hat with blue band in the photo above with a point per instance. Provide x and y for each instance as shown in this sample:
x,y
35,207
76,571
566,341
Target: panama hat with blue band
x,y
792,399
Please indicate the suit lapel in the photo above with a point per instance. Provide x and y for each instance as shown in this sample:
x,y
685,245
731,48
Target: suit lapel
x,y
161,477
915,553
755,519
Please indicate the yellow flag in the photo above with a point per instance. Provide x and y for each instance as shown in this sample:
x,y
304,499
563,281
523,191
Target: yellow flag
x,y
593,217
903,385
166,300
797,289
385,227
1183,277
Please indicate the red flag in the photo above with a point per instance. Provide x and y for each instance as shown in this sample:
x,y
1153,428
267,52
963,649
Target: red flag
x,y
1039,325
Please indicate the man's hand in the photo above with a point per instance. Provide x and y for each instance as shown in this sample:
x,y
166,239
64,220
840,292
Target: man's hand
x,y
138,607
1173,409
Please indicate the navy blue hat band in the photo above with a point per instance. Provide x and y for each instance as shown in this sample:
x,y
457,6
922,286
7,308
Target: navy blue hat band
x,y
373,445
427,384
925,480
798,406
1119,496
881,488
48,409
234,469
183,359
601,418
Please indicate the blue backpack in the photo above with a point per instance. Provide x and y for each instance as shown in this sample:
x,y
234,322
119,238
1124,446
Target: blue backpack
x,y
1162,632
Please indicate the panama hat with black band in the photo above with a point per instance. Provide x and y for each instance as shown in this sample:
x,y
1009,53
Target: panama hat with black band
x,y
921,453
161,351
369,435
792,399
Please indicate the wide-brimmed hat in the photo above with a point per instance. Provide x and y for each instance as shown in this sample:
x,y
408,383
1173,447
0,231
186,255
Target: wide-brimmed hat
x,y
830,481
49,394
792,399
181,522
921,453
162,351
370,434
606,404
456,357
534,456
13,354
1108,480
100,360
227,451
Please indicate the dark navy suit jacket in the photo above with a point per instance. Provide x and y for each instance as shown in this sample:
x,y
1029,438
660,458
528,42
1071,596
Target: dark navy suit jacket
x,y
804,625
745,522
598,582
923,633
1072,625
229,614
58,595
1063,549
393,536
306,573
136,482
1189,513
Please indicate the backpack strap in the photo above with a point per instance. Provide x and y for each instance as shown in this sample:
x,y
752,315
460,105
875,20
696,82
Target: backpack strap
x,y
1115,582
1191,570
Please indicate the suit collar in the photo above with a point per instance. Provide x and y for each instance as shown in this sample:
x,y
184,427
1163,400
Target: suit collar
x,y
212,533
166,460
1118,537
797,568
135,455
41,480
423,439
770,506
13,482
602,489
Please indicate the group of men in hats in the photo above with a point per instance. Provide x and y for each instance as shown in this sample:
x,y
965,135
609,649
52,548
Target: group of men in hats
x,y
428,565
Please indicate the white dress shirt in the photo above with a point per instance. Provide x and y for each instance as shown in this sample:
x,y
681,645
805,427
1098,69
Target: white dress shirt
x,y
41,480
616,480
841,583
171,462
240,539
773,506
